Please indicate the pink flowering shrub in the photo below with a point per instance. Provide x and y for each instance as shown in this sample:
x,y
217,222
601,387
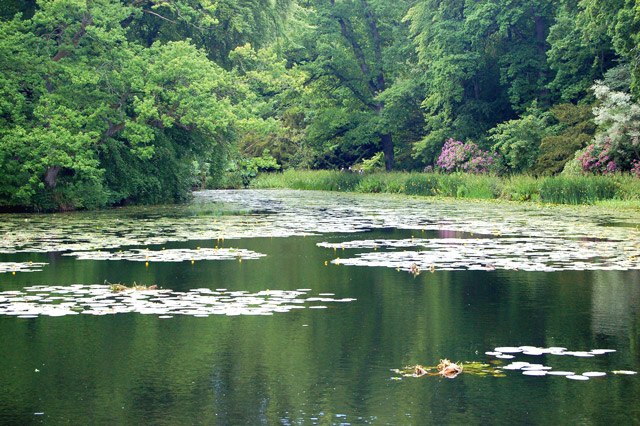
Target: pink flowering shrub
x,y
466,157
598,159
635,170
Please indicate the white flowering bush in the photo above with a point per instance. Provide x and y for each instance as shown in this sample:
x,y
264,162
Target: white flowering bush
x,y
618,121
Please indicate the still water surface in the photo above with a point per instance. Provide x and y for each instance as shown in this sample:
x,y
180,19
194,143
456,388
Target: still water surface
x,y
327,362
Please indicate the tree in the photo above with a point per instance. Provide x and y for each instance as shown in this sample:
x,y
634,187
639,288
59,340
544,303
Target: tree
x,y
483,63
82,108
353,59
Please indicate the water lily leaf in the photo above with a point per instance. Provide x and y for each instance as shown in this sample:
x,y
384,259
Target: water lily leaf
x,y
101,300
21,266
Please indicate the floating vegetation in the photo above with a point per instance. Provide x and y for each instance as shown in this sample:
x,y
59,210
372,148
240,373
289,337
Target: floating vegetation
x,y
508,236
554,350
532,369
21,266
450,370
487,253
169,255
415,270
98,299
117,288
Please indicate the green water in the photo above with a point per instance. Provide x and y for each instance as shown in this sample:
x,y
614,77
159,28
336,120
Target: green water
x,y
318,366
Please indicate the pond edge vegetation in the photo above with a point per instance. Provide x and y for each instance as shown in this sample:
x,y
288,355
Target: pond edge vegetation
x,y
616,190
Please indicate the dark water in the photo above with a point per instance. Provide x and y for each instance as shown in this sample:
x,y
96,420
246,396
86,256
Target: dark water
x,y
322,366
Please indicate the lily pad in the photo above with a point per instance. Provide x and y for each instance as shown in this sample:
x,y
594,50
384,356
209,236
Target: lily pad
x,y
511,237
171,255
101,300
21,266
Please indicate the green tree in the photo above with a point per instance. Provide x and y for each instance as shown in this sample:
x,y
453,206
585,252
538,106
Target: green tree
x,y
83,109
483,63
355,54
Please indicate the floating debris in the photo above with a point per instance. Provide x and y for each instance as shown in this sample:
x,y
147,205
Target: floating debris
x,y
450,370
102,300
534,372
501,352
117,288
508,350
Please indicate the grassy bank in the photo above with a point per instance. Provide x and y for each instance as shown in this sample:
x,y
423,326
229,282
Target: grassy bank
x,y
616,190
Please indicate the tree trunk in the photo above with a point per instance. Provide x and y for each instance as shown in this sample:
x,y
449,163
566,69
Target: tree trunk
x,y
387,148
51,176
541,41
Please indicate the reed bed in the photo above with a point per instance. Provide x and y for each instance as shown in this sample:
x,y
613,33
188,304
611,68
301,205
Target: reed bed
x,y
619,189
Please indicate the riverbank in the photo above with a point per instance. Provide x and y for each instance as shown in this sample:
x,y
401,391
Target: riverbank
x,y
615,190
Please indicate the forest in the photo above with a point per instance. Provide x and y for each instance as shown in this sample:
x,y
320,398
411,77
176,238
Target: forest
x,y
113,102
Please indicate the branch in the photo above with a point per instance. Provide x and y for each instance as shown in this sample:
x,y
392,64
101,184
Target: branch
x,y
75,40
349,86
112,130
159,16
380,83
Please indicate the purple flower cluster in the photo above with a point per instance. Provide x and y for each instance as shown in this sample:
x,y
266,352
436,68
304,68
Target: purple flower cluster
x,y
598,159
466,157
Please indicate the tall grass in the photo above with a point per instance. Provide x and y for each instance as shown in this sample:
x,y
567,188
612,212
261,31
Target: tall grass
x,y
556,190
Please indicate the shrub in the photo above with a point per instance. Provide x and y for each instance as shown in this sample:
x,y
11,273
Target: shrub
x,y
618,120
575,131
598,159
519,140
467,157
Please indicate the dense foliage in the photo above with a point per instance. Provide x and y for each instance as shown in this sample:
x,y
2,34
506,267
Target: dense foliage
x,y
104,102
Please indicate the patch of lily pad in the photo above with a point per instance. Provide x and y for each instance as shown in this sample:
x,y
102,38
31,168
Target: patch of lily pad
x,y
511,235
525,367
168,255
490,253
21,266
56,301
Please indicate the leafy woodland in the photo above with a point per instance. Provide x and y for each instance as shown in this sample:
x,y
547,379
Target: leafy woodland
x,y
107,102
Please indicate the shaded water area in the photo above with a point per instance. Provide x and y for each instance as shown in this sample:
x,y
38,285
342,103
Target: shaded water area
x,y
296,308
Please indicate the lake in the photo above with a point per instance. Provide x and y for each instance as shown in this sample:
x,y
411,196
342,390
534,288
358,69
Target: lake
x,y
304,308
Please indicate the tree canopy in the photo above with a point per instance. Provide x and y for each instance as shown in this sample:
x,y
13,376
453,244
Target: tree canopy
x,y
105,102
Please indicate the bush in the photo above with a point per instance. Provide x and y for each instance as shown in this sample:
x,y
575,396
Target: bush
x,y
618,120
456,156
576,131
519,140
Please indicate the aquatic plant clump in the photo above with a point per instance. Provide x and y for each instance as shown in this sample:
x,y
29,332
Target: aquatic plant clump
x,y
21,266
451,370
55,301
169,255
